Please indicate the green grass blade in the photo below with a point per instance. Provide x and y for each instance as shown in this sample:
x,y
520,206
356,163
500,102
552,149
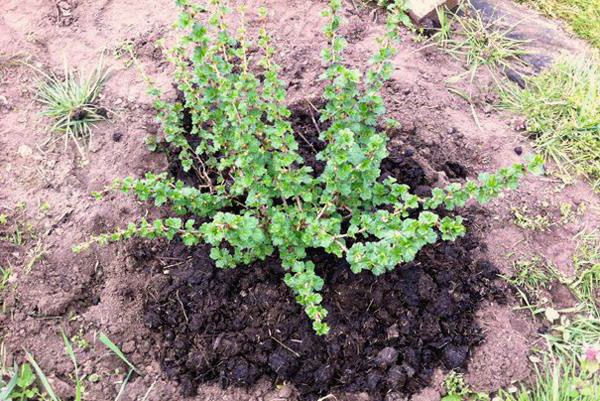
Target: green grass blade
x,y
123,385
117,351
71,354
10,386
43,379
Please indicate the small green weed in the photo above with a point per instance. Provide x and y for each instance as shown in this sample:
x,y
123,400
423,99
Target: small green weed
x,y
4,277
586,260
16,230
21,386
70,101
529,221
5,274
458,390
466,36
29,382
560,380
562,107
531,275
444,32
583,16
569,214
125,51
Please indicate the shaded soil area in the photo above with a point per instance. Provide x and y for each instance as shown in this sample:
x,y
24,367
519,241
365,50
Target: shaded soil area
x,y
389,333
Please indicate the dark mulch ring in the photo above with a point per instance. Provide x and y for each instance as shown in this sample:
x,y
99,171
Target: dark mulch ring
x,y
388,333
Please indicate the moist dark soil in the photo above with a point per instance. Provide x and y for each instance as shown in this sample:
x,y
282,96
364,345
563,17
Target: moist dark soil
x,y
388,333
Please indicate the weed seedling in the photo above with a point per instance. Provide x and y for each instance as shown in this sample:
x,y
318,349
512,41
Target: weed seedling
x,y
531,275
560,380
586,260
458,390
528,221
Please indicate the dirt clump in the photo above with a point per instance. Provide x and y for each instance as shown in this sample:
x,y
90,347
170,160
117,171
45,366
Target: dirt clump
x,y
389,333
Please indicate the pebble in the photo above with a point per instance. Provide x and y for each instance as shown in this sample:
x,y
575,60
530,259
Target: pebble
x,y
518,150
387,356
392,331
455,356
24,151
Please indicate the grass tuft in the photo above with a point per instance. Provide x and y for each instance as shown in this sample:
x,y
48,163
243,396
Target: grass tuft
x,y
564,381
583,16
70,101
586,286
562,107
480,43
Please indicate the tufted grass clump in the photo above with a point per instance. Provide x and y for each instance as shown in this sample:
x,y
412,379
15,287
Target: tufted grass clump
x,y
562,107
70,101
257,196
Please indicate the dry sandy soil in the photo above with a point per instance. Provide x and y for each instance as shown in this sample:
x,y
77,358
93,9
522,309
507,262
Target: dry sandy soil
x,y
107,289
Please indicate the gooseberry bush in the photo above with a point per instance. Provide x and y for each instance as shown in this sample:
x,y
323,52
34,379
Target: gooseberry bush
x,y
258,197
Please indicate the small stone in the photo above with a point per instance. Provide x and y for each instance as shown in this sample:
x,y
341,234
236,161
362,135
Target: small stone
x,y
442,180
129,347
452,131
454,356
363,396
392,332
409,152
24,151
64,5
395,397
396,377
118,101
518,150
387,356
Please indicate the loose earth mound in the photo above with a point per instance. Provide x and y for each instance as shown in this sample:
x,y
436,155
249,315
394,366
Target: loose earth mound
x,y
388,333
